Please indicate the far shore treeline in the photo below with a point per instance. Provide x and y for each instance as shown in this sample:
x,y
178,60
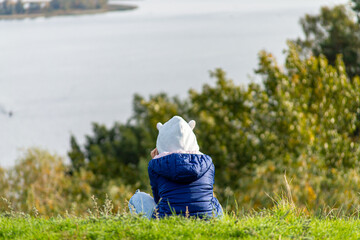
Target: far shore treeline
x,y
10,7
301,121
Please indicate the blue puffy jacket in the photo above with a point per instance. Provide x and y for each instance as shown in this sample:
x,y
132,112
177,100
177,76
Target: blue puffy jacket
x,y
184,182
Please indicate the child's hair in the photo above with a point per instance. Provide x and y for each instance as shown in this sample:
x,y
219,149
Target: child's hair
x,y
176,135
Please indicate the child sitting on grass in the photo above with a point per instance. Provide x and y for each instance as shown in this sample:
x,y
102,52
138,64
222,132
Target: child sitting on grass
x,y
181,177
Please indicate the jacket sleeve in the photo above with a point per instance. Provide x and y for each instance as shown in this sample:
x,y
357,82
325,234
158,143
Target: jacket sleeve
x,y
153,183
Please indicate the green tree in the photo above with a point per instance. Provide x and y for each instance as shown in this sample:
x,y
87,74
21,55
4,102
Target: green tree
x,y
7,7
55,4
301,120
334,31
77,4
76,155
19,8
4,183
38,180
356,8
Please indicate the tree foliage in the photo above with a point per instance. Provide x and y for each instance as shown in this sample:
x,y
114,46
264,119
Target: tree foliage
x,y
356,8
77,4
8,7
302,120
40,183
334,31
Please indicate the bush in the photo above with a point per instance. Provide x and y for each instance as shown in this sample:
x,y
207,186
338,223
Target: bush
x,y
303,120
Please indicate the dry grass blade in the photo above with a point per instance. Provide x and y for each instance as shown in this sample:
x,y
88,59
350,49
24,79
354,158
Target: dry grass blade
x,y
288,191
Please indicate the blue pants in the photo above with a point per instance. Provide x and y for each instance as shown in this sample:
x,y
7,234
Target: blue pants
x,y
143,203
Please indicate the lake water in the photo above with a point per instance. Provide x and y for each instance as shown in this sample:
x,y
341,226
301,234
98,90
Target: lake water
x,y
59,75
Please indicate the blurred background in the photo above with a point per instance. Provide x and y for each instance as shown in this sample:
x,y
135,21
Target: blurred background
x,y
83,83
60,74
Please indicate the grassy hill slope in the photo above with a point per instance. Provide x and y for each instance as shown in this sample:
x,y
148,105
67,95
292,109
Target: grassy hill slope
x,y
282,222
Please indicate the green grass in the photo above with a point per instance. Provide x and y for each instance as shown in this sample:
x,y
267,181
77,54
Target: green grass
x,y
278,223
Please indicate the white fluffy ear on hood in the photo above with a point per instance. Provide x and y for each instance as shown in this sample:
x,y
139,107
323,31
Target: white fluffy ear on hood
x,y
159,125
192,124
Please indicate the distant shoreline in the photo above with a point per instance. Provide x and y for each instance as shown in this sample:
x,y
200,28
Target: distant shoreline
x,y
110,8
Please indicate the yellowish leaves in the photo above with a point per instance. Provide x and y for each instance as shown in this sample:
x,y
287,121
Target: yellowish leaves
x,y
310,193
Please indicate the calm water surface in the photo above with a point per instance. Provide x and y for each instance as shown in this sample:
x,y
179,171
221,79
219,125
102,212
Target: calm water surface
x,y
59,75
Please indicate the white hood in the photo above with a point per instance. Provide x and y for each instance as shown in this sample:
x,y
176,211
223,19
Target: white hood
x,y
176,135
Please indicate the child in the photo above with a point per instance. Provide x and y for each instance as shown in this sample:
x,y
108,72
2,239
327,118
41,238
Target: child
x,y
181,177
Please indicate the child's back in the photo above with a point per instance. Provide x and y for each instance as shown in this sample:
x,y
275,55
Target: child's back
x,y
181,177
